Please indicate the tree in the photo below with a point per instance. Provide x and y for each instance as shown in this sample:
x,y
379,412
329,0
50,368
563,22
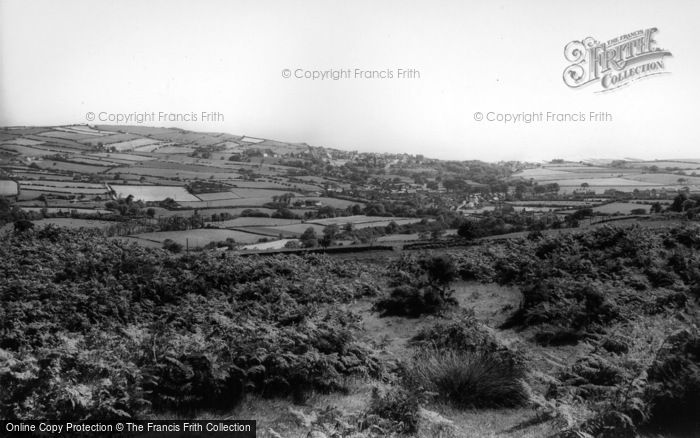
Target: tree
x,y
468,230
678,202
331,231
326,212
23,225
309,239
441,271
151,212
284,213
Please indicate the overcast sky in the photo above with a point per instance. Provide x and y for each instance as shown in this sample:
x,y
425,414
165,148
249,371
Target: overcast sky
x,y
61,60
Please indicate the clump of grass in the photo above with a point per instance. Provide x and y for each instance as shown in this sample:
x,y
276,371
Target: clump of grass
x,y
469,379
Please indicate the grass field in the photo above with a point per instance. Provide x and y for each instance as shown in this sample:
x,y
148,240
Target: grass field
x,y
8,188
133,144
70,167
255,222
277,244
109,139
153,193
23,141
63,183
68,187
26,151
362,219
73,223
619,207
95,211
242,202
681,164
122,157
600,179
174,150
66,135
399,238
217,196
200,237
667,179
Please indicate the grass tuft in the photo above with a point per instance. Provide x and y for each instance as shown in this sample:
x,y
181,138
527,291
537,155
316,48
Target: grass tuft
x,y
469,379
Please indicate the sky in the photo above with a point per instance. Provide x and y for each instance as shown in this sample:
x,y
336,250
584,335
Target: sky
x,y
62,61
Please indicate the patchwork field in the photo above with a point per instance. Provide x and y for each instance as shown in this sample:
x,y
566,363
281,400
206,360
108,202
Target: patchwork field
x,y
600,179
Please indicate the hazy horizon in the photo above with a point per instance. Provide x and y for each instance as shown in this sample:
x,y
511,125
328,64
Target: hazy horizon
x,y
61,61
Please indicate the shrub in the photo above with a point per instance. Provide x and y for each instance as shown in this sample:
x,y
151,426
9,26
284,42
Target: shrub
x,y
469,380
461,333
172,246
566,304
399,406
415,301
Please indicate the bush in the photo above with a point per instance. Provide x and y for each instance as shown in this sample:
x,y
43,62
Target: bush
x,y
414,301
399,406
172,246
461,333
469,380
565,304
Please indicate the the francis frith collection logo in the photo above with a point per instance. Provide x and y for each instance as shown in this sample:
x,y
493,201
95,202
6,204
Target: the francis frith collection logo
x,y
614,63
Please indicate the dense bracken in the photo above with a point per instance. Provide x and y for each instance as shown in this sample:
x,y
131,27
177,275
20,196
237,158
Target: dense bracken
x,y
579,287
576,282
99,328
